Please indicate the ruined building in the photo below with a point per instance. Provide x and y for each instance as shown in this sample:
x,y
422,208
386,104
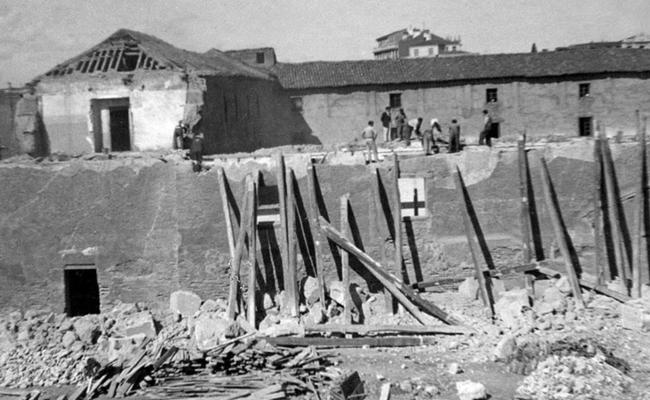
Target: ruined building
x,y
414,43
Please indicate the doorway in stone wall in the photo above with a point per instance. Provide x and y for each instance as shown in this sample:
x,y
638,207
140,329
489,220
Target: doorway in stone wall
x,y
120,132
81,290
112,125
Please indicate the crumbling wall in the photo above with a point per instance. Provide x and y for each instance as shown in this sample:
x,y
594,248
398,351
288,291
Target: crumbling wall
x,y
9,146
156,100
542,107
157,227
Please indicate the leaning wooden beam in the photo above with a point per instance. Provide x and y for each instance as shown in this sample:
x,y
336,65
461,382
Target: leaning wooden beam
x,y
560,231
602,268
397,220
486,295
345,259
389,300
282,202
235,264
319,259
385,329
290,273
524,217
321,342
639,211
252,252
390,282
226,211
613,212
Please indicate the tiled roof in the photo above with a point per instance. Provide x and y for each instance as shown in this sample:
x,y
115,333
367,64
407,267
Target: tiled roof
x,y
326,74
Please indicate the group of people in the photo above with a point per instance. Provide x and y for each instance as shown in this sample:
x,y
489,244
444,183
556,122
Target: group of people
x,y
405,128
192,141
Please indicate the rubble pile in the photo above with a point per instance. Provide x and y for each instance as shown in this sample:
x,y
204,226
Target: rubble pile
x,y
574,377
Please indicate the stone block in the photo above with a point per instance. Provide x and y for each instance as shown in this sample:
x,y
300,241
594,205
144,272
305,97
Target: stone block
x,y
185,303
555,298
564,285
336,292
310,290
209,331
286,327
468,390
505,348
213,305
316,314
87,328
68,339
510,305
124,347
469,288
635,315
139,323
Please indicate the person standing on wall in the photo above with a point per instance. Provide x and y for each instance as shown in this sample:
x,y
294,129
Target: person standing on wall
x,y
196,151
436,134
400,121
414,126
485,136
179,134
454,137
370,136
385,123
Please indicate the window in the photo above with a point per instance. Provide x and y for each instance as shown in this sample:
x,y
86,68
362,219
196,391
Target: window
x,y
491,95
259,57
416,52
412,197
395,100
583,89
296,103
430,51
584,126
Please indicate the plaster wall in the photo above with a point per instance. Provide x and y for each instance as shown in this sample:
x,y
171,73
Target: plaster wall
x,y
540,108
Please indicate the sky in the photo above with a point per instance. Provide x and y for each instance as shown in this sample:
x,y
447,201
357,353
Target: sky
x,y
35,35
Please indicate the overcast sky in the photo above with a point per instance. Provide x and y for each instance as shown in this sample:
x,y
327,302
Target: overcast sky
x,y
36,35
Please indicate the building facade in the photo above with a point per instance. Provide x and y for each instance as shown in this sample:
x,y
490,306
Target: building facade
x,y
546,94
414,43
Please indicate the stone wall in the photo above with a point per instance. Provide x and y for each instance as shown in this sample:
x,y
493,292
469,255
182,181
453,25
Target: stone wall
x,y
156,226
8,100
542,108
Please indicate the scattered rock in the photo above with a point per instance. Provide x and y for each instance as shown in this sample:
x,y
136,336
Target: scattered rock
x,y
564,285
213,306
286,327
139,323
209,330
87,328
468,390
336,291
316,314
310,290
454,369
506,348
124,348
185,303
268,302
510,305
555,298
406,386
68,339
469,288
432,390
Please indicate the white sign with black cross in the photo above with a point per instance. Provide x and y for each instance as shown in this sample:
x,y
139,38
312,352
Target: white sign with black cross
x,y
412,196
268,214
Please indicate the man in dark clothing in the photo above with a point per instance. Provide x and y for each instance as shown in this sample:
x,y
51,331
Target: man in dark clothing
x,y
196,151
385,123
485,136
179,134
454,137
402,128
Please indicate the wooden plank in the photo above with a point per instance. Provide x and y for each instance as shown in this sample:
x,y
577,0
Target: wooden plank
x,y
639,211
291,270
560,231
235,264
395,329
282,202
397,221
613,211
524,217
319,259
602,269
332,342
252,253
390,282
223,182
486,295
345,258
389,300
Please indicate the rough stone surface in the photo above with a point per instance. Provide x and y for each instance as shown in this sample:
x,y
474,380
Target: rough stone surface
x,y
469,288
505,348
139,323
468,390
336,292
185,303
209,330
87,328
635,314
310,290
510,305
68,339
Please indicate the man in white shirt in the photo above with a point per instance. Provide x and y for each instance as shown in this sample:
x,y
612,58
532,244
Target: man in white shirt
x,y
370,136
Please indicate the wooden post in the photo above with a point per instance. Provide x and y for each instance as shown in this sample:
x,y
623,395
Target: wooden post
x,y
483,284
233,292
226,211
345,258
640,211
389,300
282,203
290,271
560,231
252,251
602,270
397,220
613,212
319,260
524,218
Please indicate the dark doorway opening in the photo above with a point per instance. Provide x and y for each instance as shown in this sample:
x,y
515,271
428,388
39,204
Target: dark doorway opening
x,y
584,126
81,290
120,132
496,130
